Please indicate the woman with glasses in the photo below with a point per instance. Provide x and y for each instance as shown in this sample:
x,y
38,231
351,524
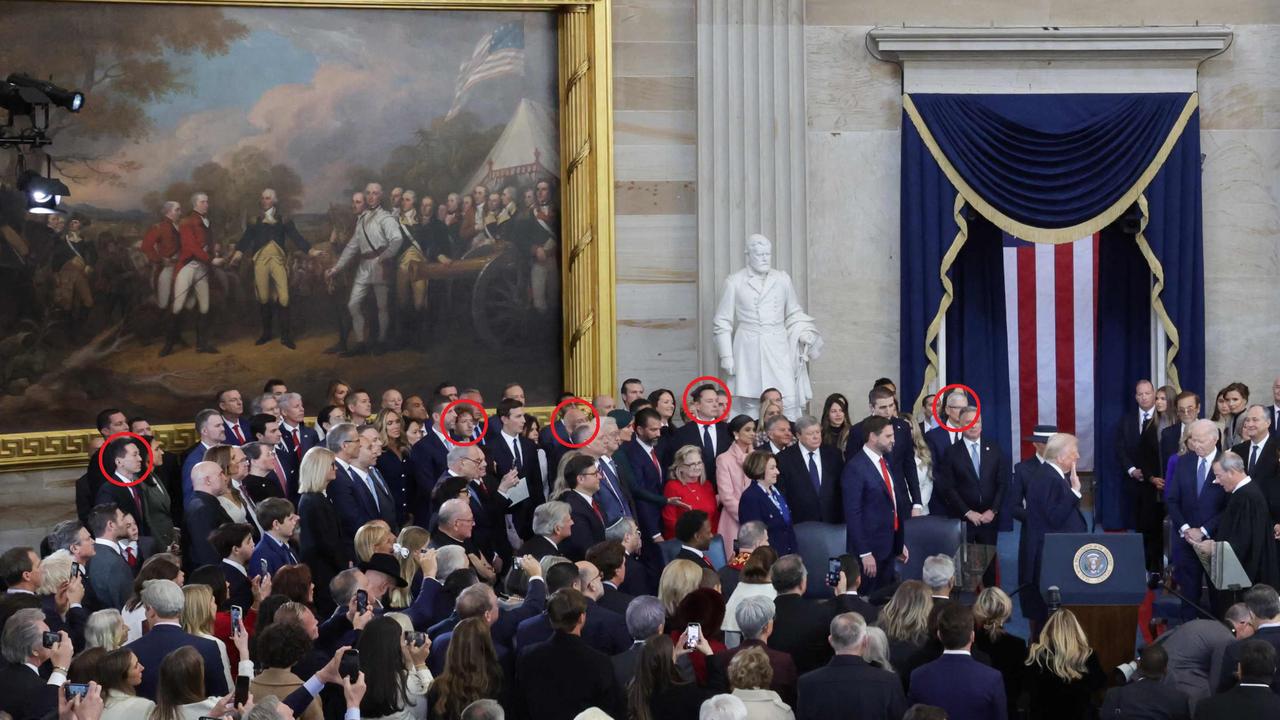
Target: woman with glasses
x,y
321,542
689,484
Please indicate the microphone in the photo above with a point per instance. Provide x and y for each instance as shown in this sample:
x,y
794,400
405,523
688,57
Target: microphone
x,y
1054,599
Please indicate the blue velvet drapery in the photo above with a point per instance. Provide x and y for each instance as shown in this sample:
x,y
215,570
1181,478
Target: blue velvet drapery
x,y
1033,164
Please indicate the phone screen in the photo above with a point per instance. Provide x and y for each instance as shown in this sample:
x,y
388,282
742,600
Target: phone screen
x,y
263,564
236,614
49,639
75,570
693,635
76,689
349,666
242,689
833,571
362,601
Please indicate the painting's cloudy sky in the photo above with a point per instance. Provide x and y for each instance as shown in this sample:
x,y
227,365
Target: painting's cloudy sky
x,y
323,91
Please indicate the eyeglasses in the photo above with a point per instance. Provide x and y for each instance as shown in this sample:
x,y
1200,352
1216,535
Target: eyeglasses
x,y
474,460
589,472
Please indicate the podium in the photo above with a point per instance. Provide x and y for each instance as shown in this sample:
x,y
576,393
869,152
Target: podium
x,y
1103,580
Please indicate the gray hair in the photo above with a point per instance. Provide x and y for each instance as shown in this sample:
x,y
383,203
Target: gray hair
x,y
1231,462
103,630
723,706
788,573
451,510
877,648
753,615
1058,443
550,515
264,708
448,559
645,617
163,597
847,631
169,205
483,709
457,453
65,534
256,406
409,194
751,535
21,633
269,191
195,197
758,239
773,420
1263,602
619,530
288,398
1238,613
939,571
338,436
548,560
805,422
343,586
581,433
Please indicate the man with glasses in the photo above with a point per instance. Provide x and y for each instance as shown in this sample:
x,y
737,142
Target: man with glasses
x,y
490,503
1173,438
582,482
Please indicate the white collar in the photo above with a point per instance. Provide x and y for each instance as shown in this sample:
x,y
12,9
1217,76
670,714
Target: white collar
x,y
34,669
585,496
956,652
816,451
443,438
236,565
19,591
124,478
1269,625
1243,482
693,550
774,448
509,438
646,446
1055,467
875,456
107,543
1261,685
554,544
289,428
1264,440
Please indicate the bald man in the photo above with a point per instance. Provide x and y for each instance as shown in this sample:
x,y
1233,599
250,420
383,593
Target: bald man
x,y
204,513
1194,502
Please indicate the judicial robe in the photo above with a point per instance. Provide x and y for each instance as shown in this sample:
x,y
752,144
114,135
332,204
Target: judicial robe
x,y
1246,524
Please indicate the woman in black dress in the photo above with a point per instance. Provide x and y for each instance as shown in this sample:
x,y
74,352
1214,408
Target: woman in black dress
x,y
1008,653
1062,673
320,536
393,462
656,691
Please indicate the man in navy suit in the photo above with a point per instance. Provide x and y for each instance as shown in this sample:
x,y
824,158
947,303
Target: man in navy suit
x,y
1138,454
1261,453
508,448
582,483
1016,504
876,505
971,478
1053,506
809,476
355,491
614,497
849,686
211,432
489,502
265,428
940,438
955,682
902,461
1273,411
279,523
428,460
644,452
297,437
234,542
163,602
234,423
703,430
1194,501
605,630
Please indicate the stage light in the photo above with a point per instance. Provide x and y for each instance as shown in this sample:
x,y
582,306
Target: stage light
x,y
19,100
43,194
72,100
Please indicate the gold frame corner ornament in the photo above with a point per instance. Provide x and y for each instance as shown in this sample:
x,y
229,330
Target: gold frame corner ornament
x,y
589,337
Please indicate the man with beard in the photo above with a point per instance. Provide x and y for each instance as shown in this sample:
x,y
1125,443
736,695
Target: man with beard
x,y
196,260
374,244
266,241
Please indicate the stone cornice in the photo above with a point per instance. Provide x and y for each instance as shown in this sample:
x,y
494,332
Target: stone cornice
x,y
1185,44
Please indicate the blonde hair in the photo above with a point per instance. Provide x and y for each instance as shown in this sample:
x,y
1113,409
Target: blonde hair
x,y
679,458
679,578
992,611
923,454
400,446
314,472
369,536
197,613
1063,648
559,486
906,617
750,669
413,539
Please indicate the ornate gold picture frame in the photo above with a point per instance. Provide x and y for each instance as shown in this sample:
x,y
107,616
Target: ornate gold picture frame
x,y
583,44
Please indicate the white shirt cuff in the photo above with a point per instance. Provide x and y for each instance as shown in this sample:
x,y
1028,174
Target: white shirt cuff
x,y
917,506
1129,472
313,685
245,668
1183,530
863,555
352,714
57,678
75,606
1206,533
1077,493
537,577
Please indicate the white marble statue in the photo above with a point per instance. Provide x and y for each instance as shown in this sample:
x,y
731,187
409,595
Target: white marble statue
x,y
774,339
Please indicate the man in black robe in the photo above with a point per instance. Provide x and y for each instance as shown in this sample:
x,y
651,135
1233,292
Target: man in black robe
x,y
1246,524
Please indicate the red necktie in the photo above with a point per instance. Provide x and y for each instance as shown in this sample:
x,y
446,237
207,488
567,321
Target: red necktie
x,y
137,501
297,445
653,455
888,484
596,506
284,483
130,558
235,430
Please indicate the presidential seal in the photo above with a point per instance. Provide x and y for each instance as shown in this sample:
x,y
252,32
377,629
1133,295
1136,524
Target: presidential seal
x,y
1093,563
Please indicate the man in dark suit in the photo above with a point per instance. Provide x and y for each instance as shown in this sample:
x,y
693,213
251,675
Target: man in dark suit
x,y
1245,523
848,686
644,452
706,430
234,542
1195,501
800,625
876,505
508,448
163,601
646,618
264,428
609,557
605,630
294,433
847,598
755,617
582,480
488,497
939,438
1261,453
109,422
1264,605
428,460
1146,696
1016,502
110,579
27,692
693,530
234,422
355,492
123,459
901,455
971,479
614,496
1053,506
204,513
809,475
571,417
956,682
275,549
1252,698
1138,454
552,524
564,676
210,431
1187,408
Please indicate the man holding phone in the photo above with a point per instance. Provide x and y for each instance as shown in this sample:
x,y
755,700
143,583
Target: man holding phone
x,y
27,644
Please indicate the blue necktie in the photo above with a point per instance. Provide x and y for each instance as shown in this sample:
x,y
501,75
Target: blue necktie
x,y
813,473
973,455
1202,473
781,503
707,445
612,480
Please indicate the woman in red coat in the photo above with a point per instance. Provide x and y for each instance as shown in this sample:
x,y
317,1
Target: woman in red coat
x,y
688,483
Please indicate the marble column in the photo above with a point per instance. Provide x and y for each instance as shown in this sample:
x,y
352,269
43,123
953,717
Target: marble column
x,y
751,145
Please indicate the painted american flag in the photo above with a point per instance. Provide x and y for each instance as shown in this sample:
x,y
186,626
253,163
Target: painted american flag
x,y
1051,300
498,53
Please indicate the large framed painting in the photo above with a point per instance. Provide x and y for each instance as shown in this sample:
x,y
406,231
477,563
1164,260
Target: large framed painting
x,y
389,193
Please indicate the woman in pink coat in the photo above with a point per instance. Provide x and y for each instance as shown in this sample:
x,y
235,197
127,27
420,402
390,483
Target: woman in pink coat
x,y
730,480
